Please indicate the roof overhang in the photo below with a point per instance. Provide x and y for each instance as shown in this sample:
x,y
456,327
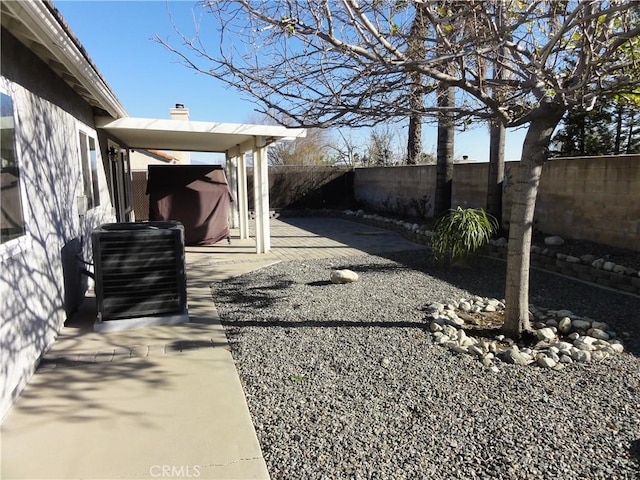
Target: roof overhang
x,y
41,28
191,136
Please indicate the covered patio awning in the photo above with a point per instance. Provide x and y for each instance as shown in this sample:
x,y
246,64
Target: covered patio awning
x,y
190,136
234,140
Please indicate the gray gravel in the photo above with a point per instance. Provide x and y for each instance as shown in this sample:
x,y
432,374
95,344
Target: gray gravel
x,y
343,381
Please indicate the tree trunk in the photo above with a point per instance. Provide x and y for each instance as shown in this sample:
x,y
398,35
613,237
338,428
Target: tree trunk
x,y
444,167
414,140
534,154
416,50
496,170
618,141
629,149
497,132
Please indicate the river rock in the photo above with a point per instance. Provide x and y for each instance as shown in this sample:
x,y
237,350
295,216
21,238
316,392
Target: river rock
x,y
580,324
465,306
545,361
598,334
434,326
545,334
343,276
616,347
582,356
564,325
554,241
601,325
514,356
584,343
620,269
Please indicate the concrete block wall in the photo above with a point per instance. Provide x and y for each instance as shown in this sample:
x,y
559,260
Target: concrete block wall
x,y
399,190
469,188
591,198
596,199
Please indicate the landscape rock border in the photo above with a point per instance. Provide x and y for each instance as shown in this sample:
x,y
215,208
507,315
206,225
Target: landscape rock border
x,y
562,337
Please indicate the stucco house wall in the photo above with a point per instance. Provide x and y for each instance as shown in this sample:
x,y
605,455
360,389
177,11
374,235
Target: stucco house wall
x,y
40,283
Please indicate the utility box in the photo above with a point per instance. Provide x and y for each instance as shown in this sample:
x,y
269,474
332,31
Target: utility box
x,y
139,274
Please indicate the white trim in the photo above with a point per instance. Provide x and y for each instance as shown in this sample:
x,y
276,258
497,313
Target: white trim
x,y
89,133
15,247
261,196
232,179
243,199
24,242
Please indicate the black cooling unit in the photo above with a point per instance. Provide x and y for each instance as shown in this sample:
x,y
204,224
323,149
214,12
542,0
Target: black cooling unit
x,y
139,270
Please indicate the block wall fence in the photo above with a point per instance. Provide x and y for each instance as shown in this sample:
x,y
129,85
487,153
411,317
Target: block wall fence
x,y
592,198
586,198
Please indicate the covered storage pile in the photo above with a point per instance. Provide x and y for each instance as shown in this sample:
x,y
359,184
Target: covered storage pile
x,y
197,196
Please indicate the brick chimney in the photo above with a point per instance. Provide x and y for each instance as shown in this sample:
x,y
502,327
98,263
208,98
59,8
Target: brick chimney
x,y
181,113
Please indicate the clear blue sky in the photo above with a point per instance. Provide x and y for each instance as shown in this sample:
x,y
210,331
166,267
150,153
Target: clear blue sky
x,y
149,80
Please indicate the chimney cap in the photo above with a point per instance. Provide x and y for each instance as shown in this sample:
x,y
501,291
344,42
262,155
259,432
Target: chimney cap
x,y
179,105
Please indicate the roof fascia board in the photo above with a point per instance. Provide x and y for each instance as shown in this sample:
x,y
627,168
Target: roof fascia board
x,y
44,25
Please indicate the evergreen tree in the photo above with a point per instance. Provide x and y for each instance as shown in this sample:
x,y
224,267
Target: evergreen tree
x,y
585,133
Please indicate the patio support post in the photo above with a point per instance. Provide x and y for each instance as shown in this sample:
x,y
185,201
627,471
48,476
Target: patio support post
x,y
243,199
261,195
232,178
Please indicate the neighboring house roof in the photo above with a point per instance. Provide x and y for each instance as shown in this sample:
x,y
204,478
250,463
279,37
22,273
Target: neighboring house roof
x,y
40,26
163,155
141,159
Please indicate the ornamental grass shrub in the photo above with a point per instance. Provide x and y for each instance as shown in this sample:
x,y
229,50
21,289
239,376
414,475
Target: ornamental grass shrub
x,y
460,233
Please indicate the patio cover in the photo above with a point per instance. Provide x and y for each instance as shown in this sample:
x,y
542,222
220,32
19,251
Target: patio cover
x,y
235,140
190,136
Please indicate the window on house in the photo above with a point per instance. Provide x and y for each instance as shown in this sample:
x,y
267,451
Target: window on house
x,y
89,160
93,158
12,224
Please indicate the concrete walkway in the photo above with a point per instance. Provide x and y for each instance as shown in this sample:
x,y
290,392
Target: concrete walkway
x,y
166,401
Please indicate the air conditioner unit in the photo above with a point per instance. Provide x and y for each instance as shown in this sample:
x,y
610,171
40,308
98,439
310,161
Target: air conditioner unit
x,y
139,274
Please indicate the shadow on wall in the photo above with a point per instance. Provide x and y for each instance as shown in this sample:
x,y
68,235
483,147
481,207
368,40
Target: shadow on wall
x,y
42,284
32,304
307,187
75,281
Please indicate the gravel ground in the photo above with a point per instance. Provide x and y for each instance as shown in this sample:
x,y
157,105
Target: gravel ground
x,y
343,381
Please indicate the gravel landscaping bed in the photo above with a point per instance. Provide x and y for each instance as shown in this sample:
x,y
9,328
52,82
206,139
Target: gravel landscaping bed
x,y
345,381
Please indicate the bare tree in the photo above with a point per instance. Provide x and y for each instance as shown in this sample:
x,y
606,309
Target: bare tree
x,y
347,151
310,150
341,62
383,147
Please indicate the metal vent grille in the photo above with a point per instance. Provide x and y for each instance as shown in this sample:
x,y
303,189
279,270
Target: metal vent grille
x,y
139,269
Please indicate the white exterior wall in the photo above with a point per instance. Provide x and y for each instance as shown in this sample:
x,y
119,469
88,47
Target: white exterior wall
x,y
32,281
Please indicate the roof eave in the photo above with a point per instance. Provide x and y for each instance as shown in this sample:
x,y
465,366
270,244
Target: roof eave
x,y
45,25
